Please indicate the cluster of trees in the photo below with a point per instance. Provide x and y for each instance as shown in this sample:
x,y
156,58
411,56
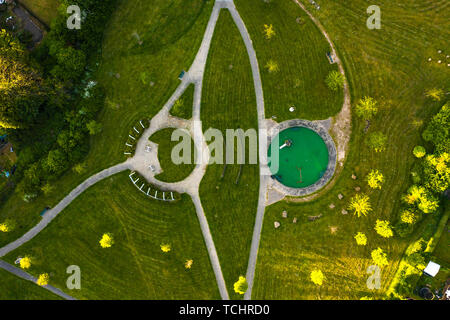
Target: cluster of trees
x,y
48,100
411,269
430,176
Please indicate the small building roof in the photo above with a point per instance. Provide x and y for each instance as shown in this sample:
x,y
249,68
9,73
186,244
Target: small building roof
x,y
432,269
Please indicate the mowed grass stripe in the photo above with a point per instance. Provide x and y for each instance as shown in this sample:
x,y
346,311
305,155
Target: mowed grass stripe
x,y
134,267
300,50
229,102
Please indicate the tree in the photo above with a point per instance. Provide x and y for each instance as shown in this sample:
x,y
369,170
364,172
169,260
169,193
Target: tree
x,y
383,228
335,80
268,31
107,240
94,127
165,247
428,204
437,172
317,277
272,66
366,108
414,194
70,65
435,94
419,152
408,217
25,262
419,196
375,179
377,141
360,205
241,285
43,279
56,162
7,226
379,257
361,239
438,130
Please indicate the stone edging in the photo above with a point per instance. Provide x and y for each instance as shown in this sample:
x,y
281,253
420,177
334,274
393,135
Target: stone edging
x,y
323,133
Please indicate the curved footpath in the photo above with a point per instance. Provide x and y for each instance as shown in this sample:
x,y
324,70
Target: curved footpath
x,y
52,213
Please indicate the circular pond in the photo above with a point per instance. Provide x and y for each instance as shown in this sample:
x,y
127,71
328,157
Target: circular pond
x,y
300,157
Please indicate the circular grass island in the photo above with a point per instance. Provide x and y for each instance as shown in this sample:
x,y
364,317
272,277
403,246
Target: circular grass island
x,y
302,157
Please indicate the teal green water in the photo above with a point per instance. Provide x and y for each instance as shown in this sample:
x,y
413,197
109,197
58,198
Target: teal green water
x,y
304,162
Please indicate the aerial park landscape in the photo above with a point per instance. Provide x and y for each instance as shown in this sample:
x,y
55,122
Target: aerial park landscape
x,y
224,150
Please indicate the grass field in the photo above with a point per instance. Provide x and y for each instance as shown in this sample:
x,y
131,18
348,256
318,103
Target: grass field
x,y
300,50
171,171
134,267
14,288
130,96
229,102
45,10
393,69
183,106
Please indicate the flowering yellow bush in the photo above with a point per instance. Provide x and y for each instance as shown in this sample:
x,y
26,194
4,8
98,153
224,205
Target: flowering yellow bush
x,y
419,152
43,279
415,193
25,262
188,264
361,239
165,247
360,205
383,228
241,285
408,217
317,277
375,179
272,66
4,227
7,225
107,240
379,257
268,30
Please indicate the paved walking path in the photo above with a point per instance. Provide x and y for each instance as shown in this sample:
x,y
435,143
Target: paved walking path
x,y
26,276
263,170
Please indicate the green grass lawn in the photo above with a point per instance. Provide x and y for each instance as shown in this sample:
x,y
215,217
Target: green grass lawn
x,y
147,80
171,171
183,106
134,267
300,50
45,10
390,65
229,103
15,288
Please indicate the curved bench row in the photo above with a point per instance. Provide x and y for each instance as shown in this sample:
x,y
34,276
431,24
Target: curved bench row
x,y
133,137
151,191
